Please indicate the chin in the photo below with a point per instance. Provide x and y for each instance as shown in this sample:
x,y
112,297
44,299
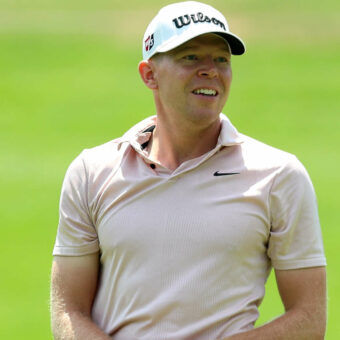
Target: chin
x,y
207,116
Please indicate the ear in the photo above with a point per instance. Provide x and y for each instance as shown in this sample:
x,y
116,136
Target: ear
x,y
147,73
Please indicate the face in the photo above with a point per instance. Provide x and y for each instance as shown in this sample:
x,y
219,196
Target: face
x,y
193,80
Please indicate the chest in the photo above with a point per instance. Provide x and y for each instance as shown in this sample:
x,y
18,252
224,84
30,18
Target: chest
x,y
185,217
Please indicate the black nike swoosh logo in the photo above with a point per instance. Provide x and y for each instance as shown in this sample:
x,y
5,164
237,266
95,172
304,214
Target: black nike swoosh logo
x,y
217,173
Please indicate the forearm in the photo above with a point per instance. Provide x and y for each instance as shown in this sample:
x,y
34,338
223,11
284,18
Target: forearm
x,y
75,326
293,325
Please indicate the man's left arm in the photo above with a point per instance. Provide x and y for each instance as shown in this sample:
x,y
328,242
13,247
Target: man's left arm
x,y
304,296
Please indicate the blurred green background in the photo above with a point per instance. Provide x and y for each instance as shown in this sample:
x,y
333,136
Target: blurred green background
x,y
69,80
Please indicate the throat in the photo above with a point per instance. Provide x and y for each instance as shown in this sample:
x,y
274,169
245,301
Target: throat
x,y
172,149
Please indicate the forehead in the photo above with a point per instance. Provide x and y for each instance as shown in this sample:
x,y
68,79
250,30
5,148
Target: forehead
x,y
210,40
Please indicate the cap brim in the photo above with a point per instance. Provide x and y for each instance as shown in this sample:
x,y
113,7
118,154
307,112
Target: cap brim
x,y
236,44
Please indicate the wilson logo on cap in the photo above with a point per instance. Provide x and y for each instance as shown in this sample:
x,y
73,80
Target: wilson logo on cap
x,y
196,18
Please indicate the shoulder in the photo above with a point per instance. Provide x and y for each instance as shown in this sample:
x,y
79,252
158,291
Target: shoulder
x,y
289,177
104,152
105,157
111,153
93,162
283,168
260,155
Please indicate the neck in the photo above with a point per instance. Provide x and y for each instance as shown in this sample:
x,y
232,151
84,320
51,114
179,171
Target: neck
x,y
172,145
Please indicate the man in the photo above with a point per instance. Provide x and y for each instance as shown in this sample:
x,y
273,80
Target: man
x,y
170,231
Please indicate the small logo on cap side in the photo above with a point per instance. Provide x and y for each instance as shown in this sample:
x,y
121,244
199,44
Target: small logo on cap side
x,y
149,42
187,19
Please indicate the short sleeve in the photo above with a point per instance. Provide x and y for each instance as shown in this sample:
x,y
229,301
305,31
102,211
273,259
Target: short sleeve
x,y
76,233
295,239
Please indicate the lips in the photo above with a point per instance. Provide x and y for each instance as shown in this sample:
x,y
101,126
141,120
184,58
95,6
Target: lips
x,y
205,92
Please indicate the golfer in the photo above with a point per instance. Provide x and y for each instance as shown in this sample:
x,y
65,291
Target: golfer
x,y
171,231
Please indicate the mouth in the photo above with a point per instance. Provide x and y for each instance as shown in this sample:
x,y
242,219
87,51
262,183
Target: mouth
x,y
205,92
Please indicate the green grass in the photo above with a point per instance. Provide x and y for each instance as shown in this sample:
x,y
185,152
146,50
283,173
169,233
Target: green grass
x,y
69,84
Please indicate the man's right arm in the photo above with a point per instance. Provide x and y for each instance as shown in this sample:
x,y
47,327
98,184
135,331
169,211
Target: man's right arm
x,y
73,288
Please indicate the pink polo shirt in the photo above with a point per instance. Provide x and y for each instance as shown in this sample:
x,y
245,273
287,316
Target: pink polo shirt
x,y
185,254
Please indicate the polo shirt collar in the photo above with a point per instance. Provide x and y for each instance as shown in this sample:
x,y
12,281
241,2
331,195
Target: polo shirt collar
x,y
229,134
141,133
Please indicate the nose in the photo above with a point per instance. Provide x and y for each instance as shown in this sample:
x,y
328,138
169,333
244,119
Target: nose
x,y
207,68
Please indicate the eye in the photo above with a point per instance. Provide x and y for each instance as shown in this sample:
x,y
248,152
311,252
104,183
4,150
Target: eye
x,y
190,57
222,59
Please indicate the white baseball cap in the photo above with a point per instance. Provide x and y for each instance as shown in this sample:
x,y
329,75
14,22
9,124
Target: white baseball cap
x,y
177,23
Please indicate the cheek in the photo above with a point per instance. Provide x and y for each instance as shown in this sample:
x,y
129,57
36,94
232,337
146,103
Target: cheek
x,y
229,75
227,79
173,83
169,91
